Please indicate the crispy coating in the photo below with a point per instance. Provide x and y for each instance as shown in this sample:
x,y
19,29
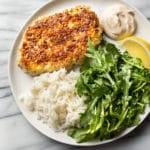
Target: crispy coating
x,y
58,41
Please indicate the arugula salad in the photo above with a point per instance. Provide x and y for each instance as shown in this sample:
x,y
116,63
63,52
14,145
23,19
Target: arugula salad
x,y
117,90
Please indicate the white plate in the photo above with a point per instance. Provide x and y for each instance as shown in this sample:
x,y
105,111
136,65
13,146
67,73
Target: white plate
x,y
20,82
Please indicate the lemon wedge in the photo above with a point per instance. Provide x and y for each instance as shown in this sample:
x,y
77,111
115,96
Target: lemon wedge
x,y
137,47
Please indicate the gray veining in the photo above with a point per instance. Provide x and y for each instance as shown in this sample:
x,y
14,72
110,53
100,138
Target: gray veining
x,y
15,132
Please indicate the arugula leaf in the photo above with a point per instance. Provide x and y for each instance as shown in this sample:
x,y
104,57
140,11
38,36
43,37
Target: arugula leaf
x,y
117,90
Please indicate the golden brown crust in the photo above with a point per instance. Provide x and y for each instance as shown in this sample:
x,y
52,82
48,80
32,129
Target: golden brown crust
x,y
59,40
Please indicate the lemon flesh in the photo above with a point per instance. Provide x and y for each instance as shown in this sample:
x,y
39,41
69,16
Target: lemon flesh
x,y
138,48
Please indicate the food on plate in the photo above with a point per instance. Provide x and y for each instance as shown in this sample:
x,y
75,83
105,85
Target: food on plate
x,y
139,48
110,91
117,89
58,41
54,99
119,21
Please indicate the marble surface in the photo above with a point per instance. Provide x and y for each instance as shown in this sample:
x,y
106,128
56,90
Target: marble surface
x,y
15,132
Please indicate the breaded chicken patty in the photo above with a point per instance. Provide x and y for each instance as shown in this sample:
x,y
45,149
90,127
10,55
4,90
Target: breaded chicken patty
x,y
58,41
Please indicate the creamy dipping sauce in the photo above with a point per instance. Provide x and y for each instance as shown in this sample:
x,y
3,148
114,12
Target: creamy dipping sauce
x,y
119,21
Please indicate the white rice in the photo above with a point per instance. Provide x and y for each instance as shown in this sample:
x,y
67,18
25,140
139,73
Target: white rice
x,y
53,97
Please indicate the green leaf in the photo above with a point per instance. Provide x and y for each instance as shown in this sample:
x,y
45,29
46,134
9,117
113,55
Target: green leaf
x,y
117,90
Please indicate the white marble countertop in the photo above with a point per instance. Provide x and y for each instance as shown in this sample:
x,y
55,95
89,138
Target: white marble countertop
x,y
15,132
